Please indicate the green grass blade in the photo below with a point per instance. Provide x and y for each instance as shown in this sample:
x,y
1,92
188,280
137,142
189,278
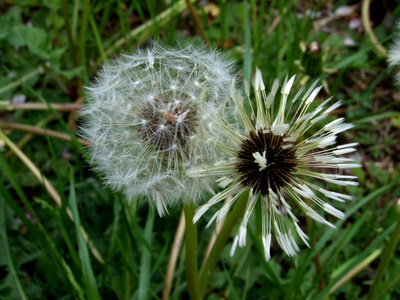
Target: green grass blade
x,y
92,292
247,62
98,39
145,260
11,266
356,260
299,274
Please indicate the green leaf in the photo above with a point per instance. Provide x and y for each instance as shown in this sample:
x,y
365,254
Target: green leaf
x,y
6,23
3,234
34,38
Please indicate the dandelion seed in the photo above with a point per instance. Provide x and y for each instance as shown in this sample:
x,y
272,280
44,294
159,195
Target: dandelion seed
x,y
144,121
268,155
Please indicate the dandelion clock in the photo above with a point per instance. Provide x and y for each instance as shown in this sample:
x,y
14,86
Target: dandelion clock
x,y
151,115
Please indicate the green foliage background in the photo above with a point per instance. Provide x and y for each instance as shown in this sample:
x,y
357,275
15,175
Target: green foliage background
x,y
50,49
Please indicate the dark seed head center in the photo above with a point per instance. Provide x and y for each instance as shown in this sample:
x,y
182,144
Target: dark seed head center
x,y
266,161
168,125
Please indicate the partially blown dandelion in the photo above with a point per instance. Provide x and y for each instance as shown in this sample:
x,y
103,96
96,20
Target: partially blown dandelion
x,y
150,116
394,54
268,156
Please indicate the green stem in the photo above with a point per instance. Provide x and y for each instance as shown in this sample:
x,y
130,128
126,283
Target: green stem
x,y
191,254
386,257
82,41
65,12
230,222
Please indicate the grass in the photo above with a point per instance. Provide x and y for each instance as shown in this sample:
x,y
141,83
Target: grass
x,y
55,213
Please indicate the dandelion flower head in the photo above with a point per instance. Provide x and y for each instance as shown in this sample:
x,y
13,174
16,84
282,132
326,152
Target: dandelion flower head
x,y
270,156
394,55
150,115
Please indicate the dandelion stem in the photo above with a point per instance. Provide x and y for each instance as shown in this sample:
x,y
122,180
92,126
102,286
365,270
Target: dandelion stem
x,y
191,253
206,271
386,257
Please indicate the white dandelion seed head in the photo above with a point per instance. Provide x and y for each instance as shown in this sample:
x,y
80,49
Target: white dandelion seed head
x,y
394,54
276,151
144,121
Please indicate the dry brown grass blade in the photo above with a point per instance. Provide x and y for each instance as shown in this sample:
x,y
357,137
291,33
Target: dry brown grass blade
x,y
176,246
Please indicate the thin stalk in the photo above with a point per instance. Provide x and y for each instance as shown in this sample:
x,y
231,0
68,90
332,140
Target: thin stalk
x,y
366,21
191,253
231,220
27,137
50,189
6,105
145,29
197,21
173,258
41,131
386,257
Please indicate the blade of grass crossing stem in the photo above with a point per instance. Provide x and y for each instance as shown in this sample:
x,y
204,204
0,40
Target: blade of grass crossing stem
x,y
301,271
247,62
92,292
11,267
145,259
